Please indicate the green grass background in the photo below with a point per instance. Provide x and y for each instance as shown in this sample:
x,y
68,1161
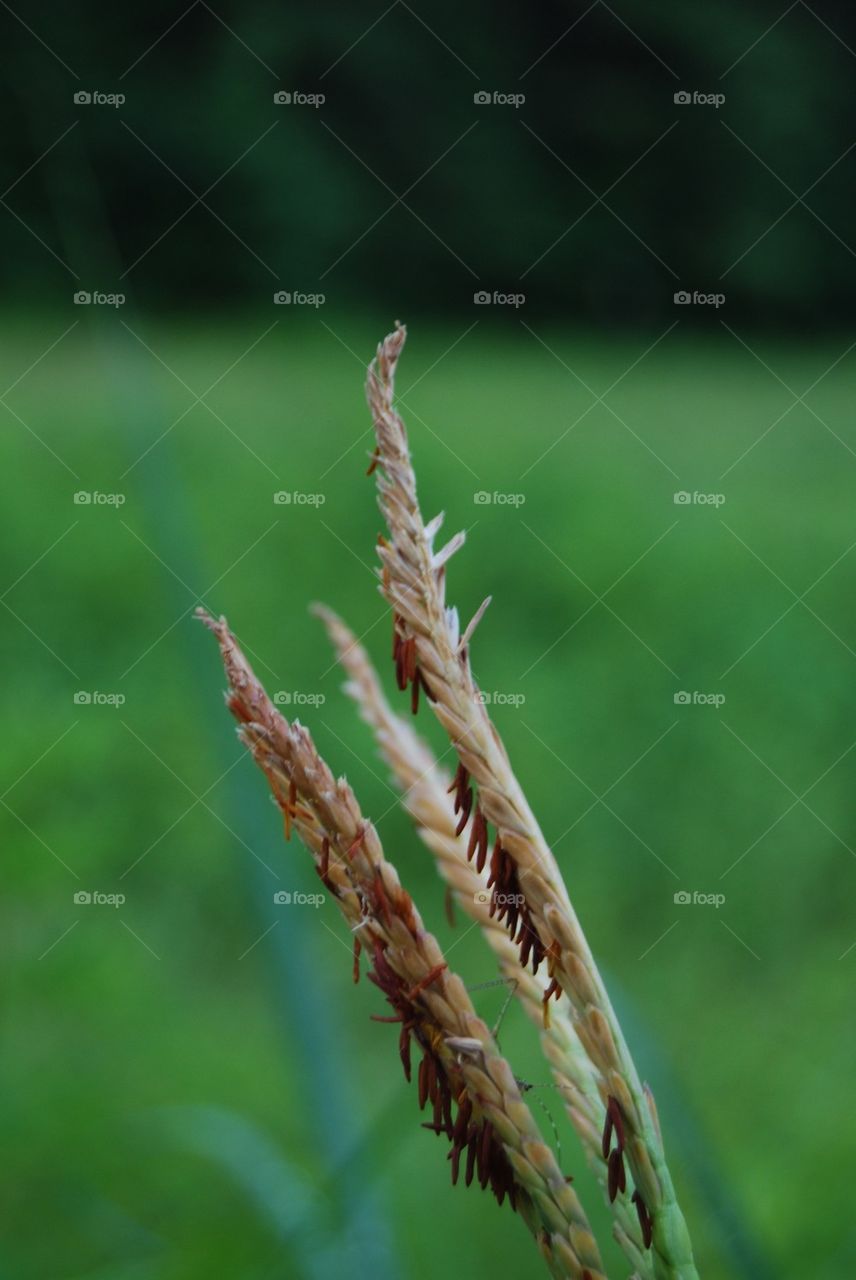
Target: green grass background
x,y
183,1099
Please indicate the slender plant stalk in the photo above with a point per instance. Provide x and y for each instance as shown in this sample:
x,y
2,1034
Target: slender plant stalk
x,y
529,894
476,1100
424,788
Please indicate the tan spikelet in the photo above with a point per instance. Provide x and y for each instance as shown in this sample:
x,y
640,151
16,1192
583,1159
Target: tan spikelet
x,y
544,926
424,787
476,1100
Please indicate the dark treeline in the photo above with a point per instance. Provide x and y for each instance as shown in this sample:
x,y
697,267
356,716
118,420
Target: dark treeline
x,y
597,194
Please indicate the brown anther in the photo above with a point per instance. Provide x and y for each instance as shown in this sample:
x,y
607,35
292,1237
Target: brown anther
x,y
475,833
356,843
431,976
614,1111
404,1050
472,1149
606,1140
437,1101
615,1174
481,855
410,658
459,784
466,806
545,1000
644,1219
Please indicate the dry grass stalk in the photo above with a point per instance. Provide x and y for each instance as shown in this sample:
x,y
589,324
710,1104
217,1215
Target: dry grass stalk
x,y
424,788
475,1098
432,655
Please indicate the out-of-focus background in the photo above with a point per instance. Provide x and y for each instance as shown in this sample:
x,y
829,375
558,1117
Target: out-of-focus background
x,y
622,239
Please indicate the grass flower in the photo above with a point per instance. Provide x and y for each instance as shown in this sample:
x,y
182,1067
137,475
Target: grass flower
x,y
499,868
475,1100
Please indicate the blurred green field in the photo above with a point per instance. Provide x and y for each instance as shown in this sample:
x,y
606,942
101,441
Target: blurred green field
x,y
190,1084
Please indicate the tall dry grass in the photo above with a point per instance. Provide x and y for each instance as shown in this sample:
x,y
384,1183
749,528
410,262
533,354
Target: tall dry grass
x,y
490,850
475,1099
432,654
424,788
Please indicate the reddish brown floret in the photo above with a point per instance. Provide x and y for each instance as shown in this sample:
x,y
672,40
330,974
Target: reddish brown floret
x,y
644,1219
616,1180
356,843
612,1122
452,1109
431,976
466,806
